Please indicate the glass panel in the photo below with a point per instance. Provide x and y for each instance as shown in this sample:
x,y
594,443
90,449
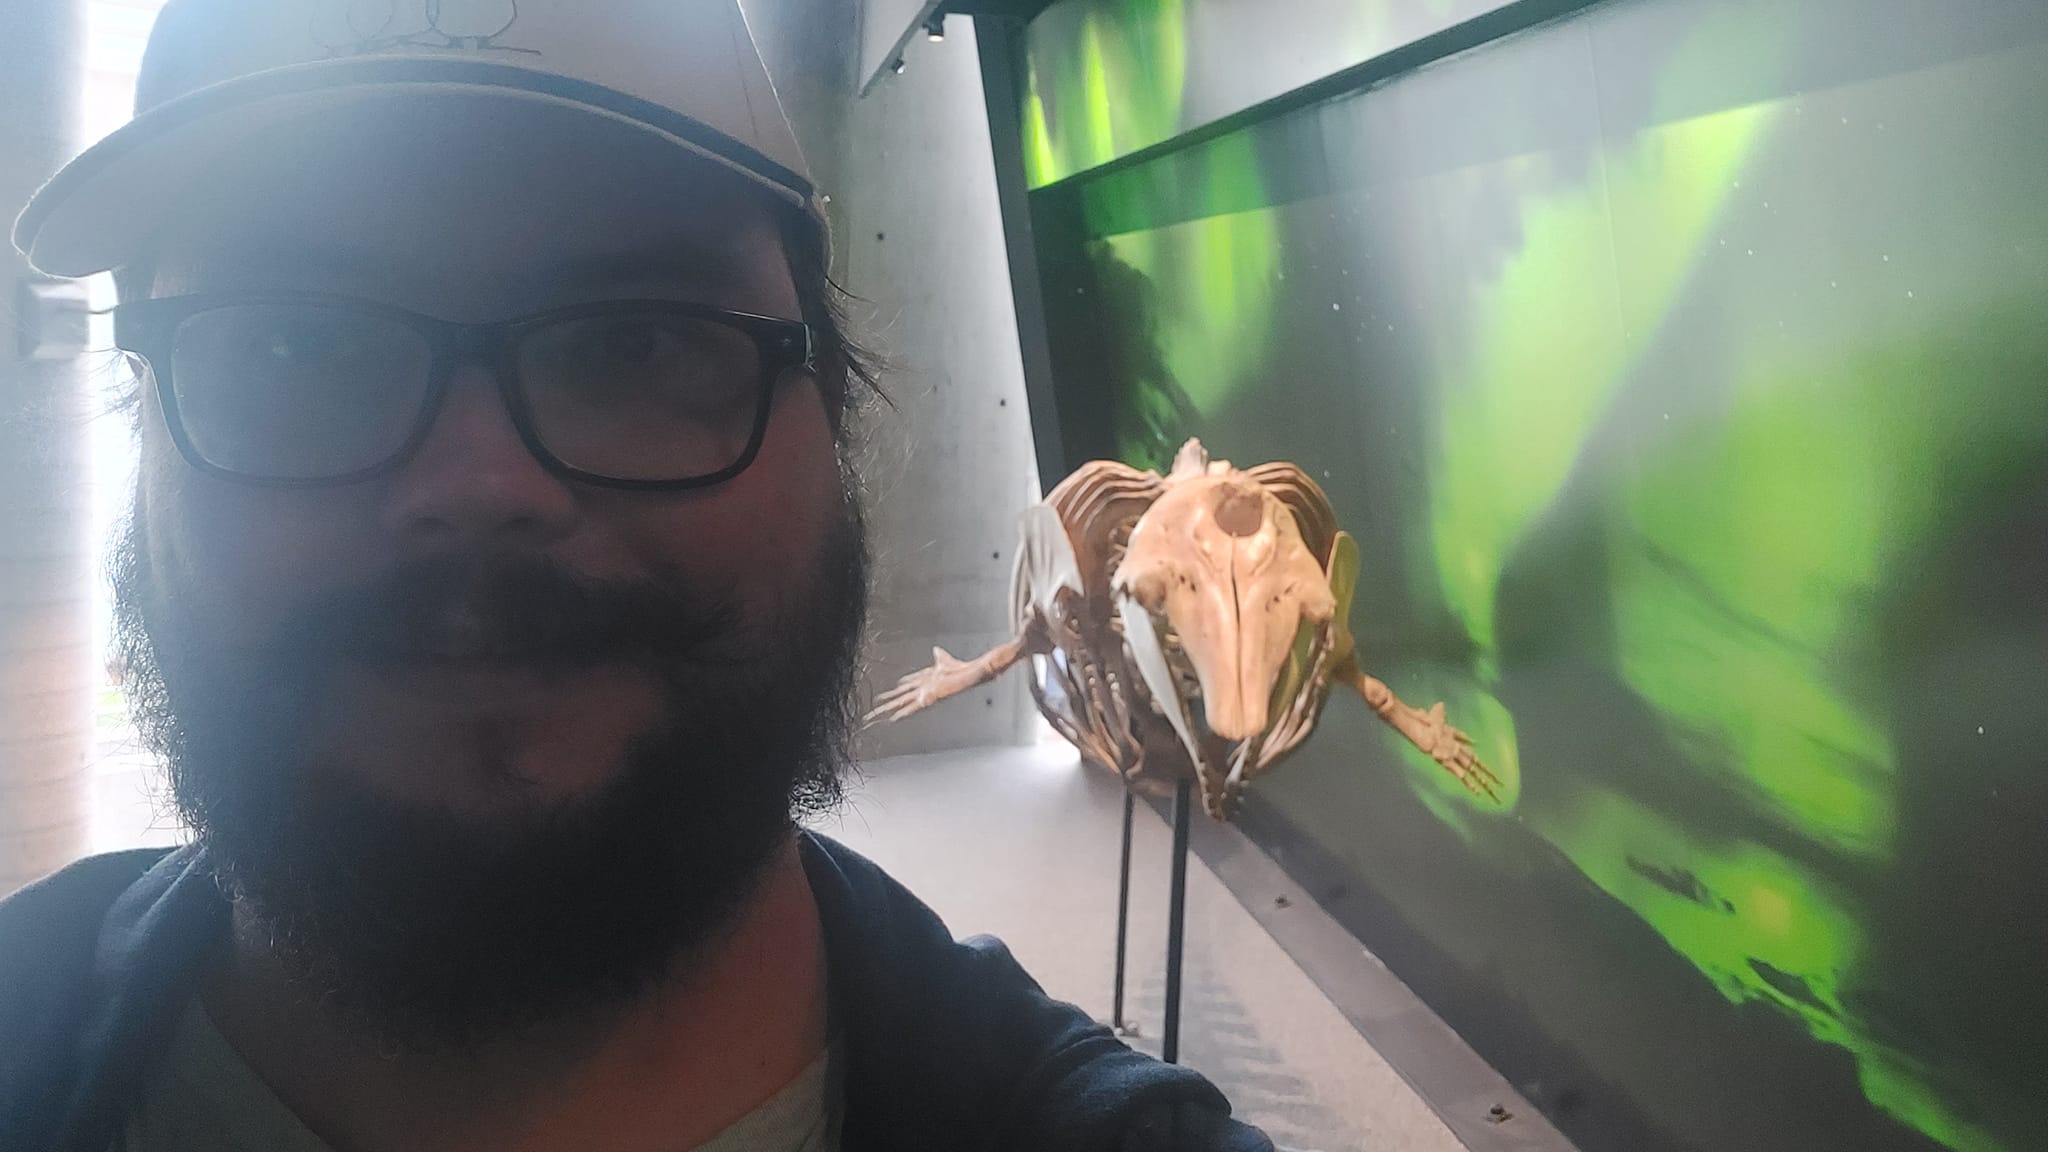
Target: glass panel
x,y
1681,369
1106,78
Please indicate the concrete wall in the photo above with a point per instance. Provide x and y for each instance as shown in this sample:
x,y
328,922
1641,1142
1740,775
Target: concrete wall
x,y
919,240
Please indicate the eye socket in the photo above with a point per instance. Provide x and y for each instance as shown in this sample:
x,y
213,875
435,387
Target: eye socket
x,y
294,344
288,346
628,342
670,359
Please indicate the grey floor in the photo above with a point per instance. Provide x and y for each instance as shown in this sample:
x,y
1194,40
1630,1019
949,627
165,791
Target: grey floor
x,y
1022,843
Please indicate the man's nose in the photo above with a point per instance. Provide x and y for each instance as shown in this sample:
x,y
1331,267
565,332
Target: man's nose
x,y
474,481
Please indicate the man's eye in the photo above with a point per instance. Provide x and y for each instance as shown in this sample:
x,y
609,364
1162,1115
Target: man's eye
x,y
631,343
301,345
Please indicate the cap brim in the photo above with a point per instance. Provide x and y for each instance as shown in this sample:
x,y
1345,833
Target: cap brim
x,y
100,210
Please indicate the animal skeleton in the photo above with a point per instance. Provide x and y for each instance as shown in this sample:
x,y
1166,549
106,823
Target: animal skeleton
x,y
1187,623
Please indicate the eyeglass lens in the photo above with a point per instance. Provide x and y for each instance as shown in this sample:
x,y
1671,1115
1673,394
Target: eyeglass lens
x,y
298,392
642,396
306,391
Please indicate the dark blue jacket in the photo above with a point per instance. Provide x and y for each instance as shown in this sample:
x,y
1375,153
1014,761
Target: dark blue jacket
x,y
948,1046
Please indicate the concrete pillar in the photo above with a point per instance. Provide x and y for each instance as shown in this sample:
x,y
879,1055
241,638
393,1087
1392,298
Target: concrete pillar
x,y
919,239
46,658
954,465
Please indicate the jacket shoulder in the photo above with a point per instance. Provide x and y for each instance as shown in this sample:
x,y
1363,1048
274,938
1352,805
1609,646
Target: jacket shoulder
x,y
955,1043
49,937
54,923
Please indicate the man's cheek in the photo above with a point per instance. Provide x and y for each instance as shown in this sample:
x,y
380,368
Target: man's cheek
x,y
255,561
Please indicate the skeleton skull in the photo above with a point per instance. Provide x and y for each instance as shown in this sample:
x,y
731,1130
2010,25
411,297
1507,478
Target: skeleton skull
x,y
1220,563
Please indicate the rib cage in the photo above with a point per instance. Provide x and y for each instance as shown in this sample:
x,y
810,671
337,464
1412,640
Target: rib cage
x,y
1084,682
1084,685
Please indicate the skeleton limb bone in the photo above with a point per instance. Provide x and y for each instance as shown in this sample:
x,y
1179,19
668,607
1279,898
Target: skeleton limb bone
x,y
948,676
1427,731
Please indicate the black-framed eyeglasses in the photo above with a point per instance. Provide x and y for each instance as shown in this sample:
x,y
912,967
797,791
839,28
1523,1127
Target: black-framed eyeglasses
x,y
300,390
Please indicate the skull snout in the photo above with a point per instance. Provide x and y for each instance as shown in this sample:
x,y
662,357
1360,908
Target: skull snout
x,y
1224,563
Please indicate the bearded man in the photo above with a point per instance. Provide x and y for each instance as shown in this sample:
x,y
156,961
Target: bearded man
x,y
492,592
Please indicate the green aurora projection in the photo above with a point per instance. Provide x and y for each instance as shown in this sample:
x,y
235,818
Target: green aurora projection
x,y
1119,72
1107,78
1694,424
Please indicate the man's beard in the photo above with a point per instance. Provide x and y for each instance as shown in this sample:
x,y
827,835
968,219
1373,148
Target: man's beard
x,y
433,929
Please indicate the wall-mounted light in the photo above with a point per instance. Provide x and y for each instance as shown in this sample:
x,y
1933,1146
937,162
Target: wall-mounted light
x,y
897,66
935,27
54,319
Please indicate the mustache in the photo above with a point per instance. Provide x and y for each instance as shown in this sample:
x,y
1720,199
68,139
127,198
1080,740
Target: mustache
x,y
525,608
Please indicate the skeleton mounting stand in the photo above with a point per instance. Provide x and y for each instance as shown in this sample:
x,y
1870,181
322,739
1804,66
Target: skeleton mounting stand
x,y
1176,921
1117,1022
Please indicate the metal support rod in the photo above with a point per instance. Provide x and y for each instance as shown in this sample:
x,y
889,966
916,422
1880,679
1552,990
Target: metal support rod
x,y
1117,1022
1176,922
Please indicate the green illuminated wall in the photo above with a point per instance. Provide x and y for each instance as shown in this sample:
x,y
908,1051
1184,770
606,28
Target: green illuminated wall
x,y
1111,77
1683,370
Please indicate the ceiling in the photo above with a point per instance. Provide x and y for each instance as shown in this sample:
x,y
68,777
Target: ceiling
x,y
1017,9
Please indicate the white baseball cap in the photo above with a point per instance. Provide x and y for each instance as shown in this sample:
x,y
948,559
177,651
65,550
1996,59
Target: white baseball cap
x,y
219,74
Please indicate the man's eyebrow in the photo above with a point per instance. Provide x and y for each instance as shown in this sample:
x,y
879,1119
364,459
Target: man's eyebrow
x,y
266,269
669,260
666,259
669,264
